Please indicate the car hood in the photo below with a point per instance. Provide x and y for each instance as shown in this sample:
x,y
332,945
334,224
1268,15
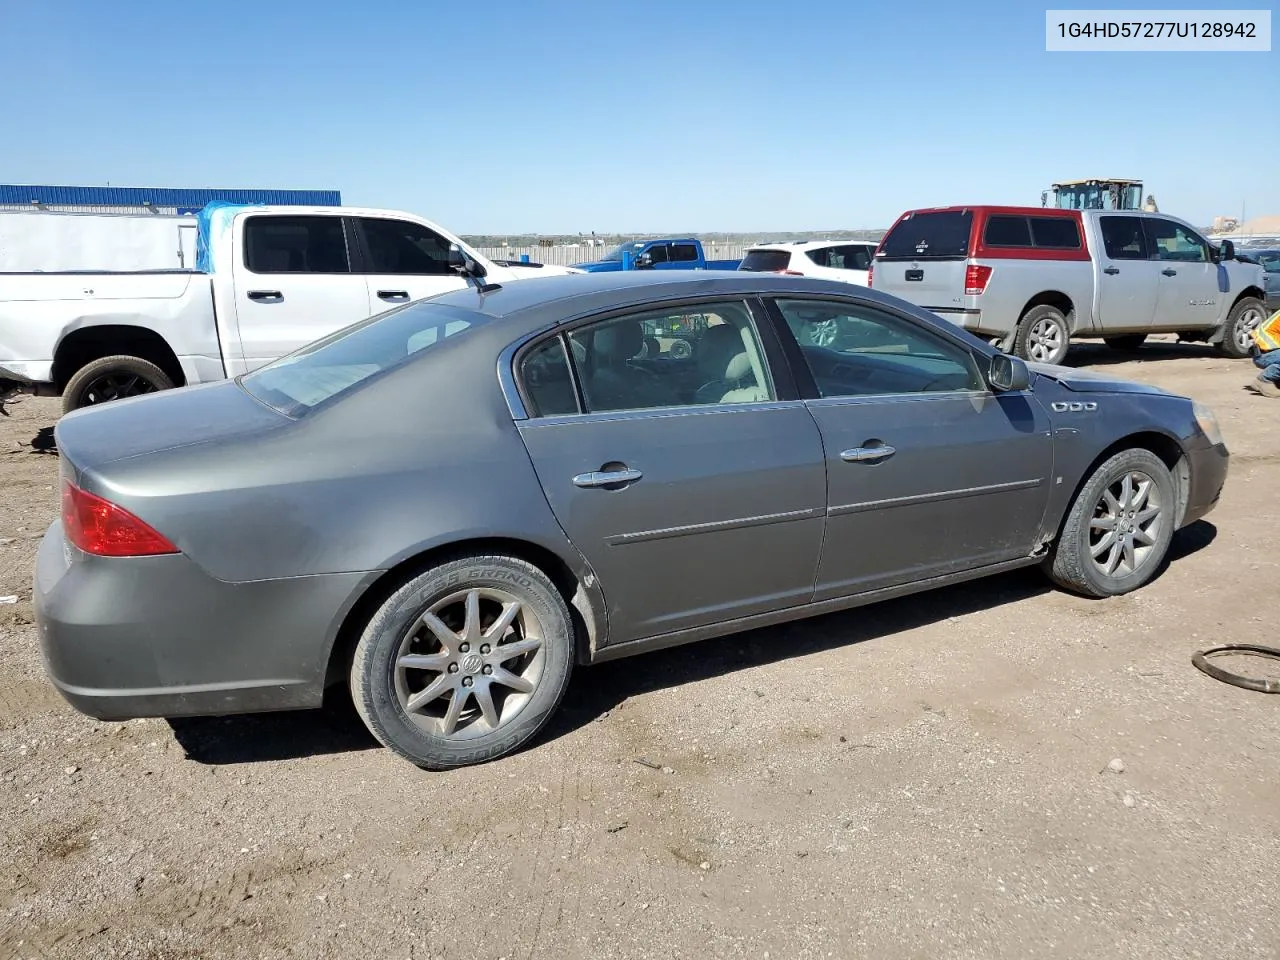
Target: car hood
x,y
1089,381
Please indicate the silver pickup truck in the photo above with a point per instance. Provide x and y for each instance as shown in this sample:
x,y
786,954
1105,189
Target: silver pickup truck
x,y
1032,279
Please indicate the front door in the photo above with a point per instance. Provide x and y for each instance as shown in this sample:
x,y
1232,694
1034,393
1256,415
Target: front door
x,y
695,500
1128,279
1188,297
403,261
293,285
928,472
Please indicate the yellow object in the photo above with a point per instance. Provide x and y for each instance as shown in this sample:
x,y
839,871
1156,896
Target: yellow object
x,y
1267,334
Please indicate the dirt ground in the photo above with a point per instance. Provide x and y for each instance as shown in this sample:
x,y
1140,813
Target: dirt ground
x,y
926,778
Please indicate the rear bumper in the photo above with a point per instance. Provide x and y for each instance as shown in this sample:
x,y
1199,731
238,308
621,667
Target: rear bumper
x,y
973,320
158,637
1208,470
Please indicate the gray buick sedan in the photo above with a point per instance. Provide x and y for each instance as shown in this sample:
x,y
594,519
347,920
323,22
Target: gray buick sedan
x,y
448,506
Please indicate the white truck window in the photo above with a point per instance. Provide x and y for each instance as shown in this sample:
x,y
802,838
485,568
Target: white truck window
x,y
404,247
295,244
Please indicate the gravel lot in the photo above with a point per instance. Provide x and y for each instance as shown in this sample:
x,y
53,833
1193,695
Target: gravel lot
x,y
923,778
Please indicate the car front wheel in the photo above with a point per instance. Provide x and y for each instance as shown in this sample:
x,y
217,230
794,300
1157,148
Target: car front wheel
x,y
465,662
1118,529
1237,339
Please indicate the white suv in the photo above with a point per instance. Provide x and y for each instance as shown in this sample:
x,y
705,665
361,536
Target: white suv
x,y
846,260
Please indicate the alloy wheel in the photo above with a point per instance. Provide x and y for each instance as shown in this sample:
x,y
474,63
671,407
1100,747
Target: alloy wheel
x,y
1126,525
470,663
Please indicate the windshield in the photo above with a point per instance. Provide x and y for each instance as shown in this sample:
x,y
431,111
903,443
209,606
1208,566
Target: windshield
x,y
766,261
322,370
616,252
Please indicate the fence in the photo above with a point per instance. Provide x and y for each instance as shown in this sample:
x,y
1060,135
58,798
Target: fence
x,y
567,256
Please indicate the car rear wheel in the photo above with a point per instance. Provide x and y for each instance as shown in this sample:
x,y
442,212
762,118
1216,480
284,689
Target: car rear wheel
x,y
112,378
1237,341
1119,527
1130,341
1042,335
465,662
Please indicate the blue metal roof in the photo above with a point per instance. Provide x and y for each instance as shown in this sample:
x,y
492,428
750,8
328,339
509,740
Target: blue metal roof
x,y
161,196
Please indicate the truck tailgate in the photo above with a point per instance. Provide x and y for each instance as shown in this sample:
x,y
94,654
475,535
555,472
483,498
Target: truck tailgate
x,y
933,284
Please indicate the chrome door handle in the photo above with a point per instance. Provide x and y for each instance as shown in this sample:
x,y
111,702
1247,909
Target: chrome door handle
x,y
606,478
868,454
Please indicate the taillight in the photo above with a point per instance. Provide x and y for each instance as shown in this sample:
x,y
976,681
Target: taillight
x,y
871,269
103,529
975,279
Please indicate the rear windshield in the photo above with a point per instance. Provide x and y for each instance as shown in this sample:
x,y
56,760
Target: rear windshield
x,y
929,236
765,261
322,370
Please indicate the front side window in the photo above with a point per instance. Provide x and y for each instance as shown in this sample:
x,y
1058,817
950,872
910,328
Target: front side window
x,y
857,350
322,370
656,359
1124,238
657,253
1172,241
402,247
289,244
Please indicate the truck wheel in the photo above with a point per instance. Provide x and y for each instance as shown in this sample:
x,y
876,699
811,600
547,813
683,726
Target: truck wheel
x,y
1118,529
1042,335
1237,340
112,378
1130,341
465,662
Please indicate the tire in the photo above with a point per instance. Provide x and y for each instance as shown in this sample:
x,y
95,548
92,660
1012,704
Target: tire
x,y
1129,341
1071,563
384,693
112,378
1244,316
1042,335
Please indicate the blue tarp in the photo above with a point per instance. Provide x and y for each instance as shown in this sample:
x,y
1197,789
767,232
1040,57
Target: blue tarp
x,y
214,220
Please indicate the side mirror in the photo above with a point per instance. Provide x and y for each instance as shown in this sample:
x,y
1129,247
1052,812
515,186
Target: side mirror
x,y
1008,374
460,262
1226,251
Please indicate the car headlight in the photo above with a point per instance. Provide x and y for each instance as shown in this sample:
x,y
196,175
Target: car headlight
x,y
1208,422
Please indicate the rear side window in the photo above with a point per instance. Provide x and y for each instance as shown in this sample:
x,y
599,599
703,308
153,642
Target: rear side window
x,y
855,257
684,252
766,261
1061,233
295,245
1007,231
937,235
335,364
1123,238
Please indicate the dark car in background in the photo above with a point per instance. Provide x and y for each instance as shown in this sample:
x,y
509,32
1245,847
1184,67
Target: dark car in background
x,y
446,507
1269,258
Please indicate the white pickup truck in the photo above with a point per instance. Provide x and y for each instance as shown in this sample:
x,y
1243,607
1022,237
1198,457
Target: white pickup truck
x,y
268,281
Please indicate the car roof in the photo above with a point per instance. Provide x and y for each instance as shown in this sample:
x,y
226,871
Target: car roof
x,y
997,208
528,305
809,244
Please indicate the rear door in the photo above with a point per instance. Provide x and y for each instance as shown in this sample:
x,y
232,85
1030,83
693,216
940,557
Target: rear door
x,y
402,261
1188,296
695,502
928,472
293,284
1127,277
922,260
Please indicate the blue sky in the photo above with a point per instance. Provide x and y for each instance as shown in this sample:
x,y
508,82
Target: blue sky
x,y
556,116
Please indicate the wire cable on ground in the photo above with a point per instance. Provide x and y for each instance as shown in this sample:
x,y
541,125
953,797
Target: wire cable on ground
x,y
1201,661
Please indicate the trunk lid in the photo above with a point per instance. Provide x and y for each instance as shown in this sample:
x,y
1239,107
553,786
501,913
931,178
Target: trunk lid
x,y
182,417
